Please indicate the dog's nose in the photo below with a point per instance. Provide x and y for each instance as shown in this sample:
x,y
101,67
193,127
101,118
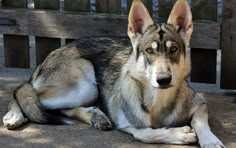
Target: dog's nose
x,y
163,79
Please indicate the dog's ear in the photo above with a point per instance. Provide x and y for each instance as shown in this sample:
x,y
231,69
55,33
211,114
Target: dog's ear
x,y
181,18
139,20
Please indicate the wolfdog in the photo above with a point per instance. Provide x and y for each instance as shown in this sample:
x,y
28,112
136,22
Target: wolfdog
x,y
140,89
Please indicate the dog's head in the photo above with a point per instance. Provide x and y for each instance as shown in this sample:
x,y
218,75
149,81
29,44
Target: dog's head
x,y
161,47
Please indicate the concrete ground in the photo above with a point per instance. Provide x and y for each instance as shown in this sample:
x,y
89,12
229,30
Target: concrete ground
x,y
222,109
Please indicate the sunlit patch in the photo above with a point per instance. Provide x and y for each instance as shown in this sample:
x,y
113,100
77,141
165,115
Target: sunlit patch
x,y
151,75
154,45
168,44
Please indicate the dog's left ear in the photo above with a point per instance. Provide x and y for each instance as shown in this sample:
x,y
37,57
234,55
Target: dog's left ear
x,y
139,20
181,18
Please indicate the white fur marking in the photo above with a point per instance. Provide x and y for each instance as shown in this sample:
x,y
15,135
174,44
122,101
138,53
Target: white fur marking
x,y
83,94
208,139
37,83
168,44
13,119
122,121
154,45
151,74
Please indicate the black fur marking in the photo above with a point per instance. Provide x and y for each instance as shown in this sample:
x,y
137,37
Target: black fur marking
x,y
144,108
161,34
130,116
137,53
142,104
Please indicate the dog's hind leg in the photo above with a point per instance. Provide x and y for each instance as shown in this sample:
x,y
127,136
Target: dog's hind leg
x,y
14,117
200,124
90,115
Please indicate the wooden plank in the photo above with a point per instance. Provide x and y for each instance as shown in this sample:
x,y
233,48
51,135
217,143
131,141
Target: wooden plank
x,y
77,5
206,33
147,3
228,54
16,47
14,3
204,9
47,4
108,6
206,73
45,45
165,7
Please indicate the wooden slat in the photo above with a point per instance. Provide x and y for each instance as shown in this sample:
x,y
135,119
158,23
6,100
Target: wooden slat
x,y
47,4
165,7
204,61
108,6
147,3
206,34
228,54
77,5
45,45
16,47
204,10
14,3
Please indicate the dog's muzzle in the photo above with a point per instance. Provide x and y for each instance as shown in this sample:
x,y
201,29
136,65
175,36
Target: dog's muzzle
x,y
163,79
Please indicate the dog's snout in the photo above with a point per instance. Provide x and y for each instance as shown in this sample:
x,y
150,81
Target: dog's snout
x,y
163,79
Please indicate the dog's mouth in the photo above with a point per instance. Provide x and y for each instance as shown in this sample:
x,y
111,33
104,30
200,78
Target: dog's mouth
x,y
165,87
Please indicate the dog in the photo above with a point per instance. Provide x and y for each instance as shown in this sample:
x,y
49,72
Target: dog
x,y
141,90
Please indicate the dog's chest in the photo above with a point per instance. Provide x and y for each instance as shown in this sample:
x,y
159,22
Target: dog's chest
x,y
169,113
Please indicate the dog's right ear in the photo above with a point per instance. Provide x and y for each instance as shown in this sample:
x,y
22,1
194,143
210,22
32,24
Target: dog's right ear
x,y
139,20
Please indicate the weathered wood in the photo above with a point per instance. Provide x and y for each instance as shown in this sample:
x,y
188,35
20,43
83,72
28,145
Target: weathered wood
x,y
45,45
75,25
165,7
47,4
206,34
204,61
147,3
204,9
108,6
14,3
77,5
16,48
114,6
228,54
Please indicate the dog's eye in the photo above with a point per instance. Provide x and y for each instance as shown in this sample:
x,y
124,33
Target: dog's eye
x,y
149,50
173,49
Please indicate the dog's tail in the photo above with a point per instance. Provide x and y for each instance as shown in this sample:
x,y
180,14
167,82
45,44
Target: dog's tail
x,y
27,99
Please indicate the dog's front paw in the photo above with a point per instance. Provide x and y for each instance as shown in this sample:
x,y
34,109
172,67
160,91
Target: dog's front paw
x,y
209,140
183,135
101,122
13,119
